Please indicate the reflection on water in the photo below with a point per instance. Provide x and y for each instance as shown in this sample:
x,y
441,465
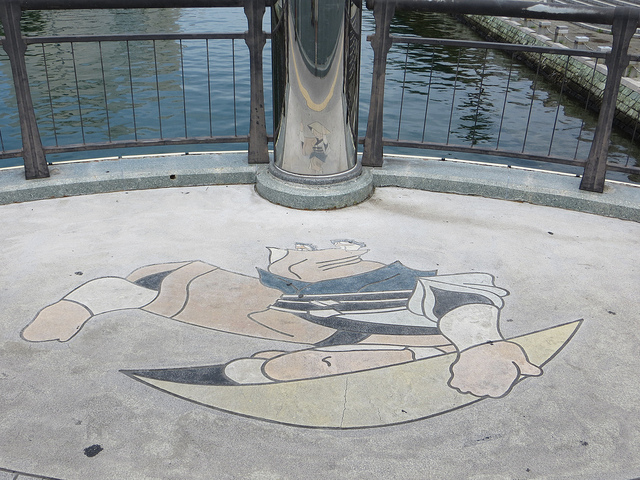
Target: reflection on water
x,y
102,99
183,88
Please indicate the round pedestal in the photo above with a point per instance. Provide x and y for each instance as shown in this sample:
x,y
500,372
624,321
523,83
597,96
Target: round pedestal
x,y
315,197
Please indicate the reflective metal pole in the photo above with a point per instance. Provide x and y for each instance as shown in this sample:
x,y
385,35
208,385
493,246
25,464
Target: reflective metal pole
x,y
316,66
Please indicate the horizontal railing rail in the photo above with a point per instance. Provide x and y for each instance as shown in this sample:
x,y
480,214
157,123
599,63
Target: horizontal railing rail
x,y
496,46
507,8
132,37
127,4
624,22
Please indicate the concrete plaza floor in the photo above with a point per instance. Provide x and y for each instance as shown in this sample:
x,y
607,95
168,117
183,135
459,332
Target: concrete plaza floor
x,y
68,411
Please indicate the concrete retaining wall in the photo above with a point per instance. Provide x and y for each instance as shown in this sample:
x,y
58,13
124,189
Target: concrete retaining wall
x,y
583,81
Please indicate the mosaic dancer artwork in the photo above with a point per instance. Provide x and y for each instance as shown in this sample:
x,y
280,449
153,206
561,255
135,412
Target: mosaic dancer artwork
x,y
372,344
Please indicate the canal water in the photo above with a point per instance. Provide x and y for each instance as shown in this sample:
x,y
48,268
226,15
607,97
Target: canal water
x,y
147,90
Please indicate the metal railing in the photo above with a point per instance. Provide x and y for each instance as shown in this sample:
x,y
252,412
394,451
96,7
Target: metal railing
x,y
624,23
140,60
86,114
34,152
482,115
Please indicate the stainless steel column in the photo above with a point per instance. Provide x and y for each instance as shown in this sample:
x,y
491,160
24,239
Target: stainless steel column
x,y
316,69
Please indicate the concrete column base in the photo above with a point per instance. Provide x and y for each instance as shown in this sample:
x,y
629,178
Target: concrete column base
x,y
314,197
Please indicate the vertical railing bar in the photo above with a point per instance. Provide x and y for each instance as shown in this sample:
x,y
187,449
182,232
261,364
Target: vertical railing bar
x,y
46,74
633,139
586,106
209,91
33,156
453,100
404,83
233,59
1,141
75,74
426,108
155,62
104,88
133,103
255,39
533,96
481,87
380,42
555,122
184,92
625,25
504,105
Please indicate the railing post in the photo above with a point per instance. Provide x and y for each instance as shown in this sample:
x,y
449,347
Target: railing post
x,y
625,23
383,11
255,39
35,161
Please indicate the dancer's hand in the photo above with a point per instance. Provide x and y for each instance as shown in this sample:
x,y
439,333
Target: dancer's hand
x,y
490,369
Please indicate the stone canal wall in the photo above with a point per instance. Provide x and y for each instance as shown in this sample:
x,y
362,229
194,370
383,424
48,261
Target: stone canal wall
x,y
583,81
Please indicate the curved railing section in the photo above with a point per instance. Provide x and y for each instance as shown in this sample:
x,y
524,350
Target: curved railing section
x,y
88,117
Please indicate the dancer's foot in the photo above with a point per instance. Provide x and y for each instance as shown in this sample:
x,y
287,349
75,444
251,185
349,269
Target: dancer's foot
x,y
59,321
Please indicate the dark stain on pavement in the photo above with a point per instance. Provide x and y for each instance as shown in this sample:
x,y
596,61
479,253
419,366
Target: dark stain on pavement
x,y
93,450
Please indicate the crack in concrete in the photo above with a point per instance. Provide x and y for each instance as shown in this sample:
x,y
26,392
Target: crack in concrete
x,y
344,408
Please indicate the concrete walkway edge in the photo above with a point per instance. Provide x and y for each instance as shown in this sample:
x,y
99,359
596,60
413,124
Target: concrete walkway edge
x,y
537,187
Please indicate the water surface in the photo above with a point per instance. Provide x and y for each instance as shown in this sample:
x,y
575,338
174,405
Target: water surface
x,y
164,89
